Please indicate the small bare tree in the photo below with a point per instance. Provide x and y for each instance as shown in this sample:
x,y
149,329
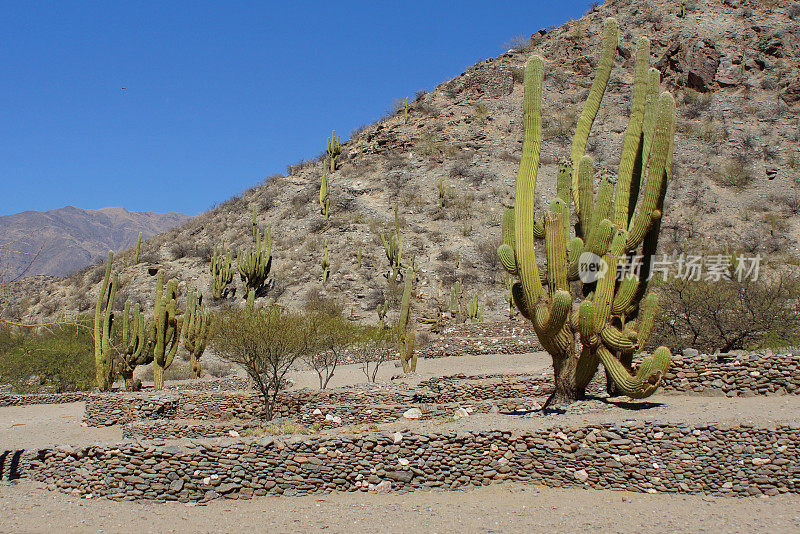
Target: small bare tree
x,y
375,347
329,336
265,343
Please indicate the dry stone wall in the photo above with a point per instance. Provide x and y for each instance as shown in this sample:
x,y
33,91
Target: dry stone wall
x,y
652,457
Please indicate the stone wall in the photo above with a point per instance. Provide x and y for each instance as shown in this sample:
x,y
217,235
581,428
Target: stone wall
x,y
735,374
649,457
12,399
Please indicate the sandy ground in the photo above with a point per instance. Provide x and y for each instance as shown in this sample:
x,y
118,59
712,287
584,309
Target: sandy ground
x,y
26,506
510,507
43,425
469,365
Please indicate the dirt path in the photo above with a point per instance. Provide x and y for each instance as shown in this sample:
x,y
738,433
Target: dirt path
x,y
24,507
43,425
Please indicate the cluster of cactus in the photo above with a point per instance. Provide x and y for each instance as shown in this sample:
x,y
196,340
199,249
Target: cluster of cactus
x,y
622,220
324,197
334,149
137,345
475,309
221,268
254,264
405,327
103,322
195,329
326,265
166,328
393,246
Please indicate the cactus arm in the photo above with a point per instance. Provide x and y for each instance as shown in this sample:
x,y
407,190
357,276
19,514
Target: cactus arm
x,y
647,379
556,253
647,211
586,194
531,284
632,141
609,48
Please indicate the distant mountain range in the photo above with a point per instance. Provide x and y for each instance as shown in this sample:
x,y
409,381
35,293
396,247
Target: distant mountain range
x,y
67,239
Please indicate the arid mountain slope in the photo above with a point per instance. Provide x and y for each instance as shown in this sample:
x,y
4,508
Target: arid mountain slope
x,y
67,239
732,66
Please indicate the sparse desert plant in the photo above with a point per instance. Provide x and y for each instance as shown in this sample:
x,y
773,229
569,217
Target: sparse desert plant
x,y
734,173
265,343
728,314
329,336
57,358
614,318
374,349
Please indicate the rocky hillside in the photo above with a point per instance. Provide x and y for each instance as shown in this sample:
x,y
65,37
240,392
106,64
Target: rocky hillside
x,y
67,239
732,65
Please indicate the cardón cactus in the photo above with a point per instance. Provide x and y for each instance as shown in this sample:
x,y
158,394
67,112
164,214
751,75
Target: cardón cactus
x,y
165,329
618,222
405,328
255,263
333,149
137,346
221,272
195,329
103,321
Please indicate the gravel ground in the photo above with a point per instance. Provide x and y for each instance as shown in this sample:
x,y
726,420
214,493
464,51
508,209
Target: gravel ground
x,y
510,507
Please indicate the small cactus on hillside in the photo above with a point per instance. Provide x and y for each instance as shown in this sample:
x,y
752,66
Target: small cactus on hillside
x,y
138,249
475,310
393,246
324,196
326,265
221,272
334,149
254,264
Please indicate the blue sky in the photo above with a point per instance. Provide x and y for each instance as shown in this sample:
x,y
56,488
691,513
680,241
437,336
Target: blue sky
x,y
218,95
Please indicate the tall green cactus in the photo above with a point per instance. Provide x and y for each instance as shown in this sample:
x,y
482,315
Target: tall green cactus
x,y
324,196
254,264
616,224
334,149
405,327
103,321
166,328
195,329
221,272
475,309
393,246
137,346
138,249
455,301
326,265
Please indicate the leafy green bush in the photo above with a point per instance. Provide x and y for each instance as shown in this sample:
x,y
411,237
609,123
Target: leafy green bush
x,y
53,359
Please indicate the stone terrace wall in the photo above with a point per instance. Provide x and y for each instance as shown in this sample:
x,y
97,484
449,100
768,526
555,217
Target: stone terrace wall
x,y
506,337
735,374
12,399
643,457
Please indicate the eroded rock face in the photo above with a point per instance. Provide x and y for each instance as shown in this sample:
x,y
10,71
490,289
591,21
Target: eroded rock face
x,y
691,64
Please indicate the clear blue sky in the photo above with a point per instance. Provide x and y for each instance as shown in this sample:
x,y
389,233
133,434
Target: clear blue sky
x,y
218,95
